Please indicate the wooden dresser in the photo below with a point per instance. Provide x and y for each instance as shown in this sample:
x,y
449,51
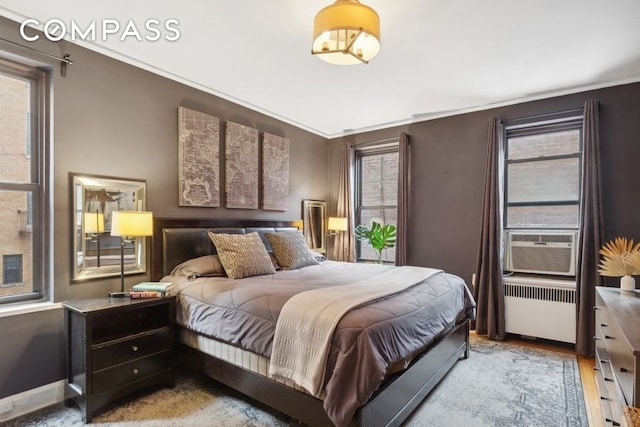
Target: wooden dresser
x,y
115,347
617,352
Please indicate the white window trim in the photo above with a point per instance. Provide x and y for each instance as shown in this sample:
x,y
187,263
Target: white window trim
x,y
20,308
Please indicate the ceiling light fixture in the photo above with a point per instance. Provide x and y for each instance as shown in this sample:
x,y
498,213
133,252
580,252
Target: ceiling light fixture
x,y
346,33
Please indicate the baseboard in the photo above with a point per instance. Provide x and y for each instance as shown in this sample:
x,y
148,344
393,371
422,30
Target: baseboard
x,y
31,400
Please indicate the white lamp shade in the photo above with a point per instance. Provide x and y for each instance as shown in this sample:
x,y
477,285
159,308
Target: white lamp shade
x,y
93,222
337,224
131,223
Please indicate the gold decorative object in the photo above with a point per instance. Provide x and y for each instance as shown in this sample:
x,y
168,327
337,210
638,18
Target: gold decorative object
x,y
634,260
619,257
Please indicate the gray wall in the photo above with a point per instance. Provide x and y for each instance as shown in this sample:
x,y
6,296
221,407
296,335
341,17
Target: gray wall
x,y
117,120
448,157
30,351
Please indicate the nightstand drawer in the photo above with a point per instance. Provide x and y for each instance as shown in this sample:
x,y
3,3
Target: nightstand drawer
x,y
130,322
126,373
126,349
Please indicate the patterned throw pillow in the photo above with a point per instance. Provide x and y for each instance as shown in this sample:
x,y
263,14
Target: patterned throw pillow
x,y
291,250
242,255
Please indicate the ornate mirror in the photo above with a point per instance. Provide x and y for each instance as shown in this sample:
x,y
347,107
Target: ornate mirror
x,y
314,223
96,253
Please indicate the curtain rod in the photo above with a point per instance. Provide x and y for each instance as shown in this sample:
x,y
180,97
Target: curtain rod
x,y
563,114
376,144
66,59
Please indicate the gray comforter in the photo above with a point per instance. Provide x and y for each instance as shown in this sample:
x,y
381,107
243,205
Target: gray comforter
x,y
369,343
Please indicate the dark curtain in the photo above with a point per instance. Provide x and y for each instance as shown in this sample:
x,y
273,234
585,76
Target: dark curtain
x,y
487,289
402,224
344,243
589,242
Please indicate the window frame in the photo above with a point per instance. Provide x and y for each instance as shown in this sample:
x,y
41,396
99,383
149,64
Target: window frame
x,y
559,122
377,148
38,76
5,258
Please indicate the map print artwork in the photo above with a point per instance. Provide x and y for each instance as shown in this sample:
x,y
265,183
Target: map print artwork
x,y
198,159
275,172
242,167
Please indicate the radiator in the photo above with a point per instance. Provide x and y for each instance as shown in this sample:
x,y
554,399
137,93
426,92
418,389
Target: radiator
x,y
541,308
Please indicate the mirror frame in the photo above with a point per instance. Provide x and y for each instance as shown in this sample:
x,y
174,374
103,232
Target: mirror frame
x,y
315,234
106,194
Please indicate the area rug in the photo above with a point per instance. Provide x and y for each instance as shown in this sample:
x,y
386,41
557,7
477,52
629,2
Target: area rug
x,y
506,384
501,384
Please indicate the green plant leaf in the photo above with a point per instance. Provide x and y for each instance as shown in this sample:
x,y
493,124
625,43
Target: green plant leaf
x,y
378,236
362,232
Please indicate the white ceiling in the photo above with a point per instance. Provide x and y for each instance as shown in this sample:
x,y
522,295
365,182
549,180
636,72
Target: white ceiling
x,y
438,57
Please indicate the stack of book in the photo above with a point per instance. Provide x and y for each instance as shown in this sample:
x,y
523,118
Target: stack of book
x,y
150,290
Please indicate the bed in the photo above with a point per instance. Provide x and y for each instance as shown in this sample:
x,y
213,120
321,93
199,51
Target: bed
x,y
378,379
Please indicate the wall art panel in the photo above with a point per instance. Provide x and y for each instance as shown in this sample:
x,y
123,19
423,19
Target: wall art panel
x,y
275,173
198,159
242,167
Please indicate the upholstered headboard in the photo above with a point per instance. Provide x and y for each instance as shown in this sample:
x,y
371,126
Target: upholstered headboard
x,y
177,240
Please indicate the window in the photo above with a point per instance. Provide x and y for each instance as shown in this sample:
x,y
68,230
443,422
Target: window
x,y
23,181
543,167
11,269
376,193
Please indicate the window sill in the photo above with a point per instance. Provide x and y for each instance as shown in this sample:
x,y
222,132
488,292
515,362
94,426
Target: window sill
x,y
11,285
26,308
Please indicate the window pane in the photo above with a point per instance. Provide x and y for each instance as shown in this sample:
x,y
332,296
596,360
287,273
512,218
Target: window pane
x,y
16,232
383,216
564,216
12,269
546,180
15,164
379,184
545,144
367,253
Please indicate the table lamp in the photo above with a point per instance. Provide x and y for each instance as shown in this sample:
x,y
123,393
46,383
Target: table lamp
x,y
336,224
129,225
93,227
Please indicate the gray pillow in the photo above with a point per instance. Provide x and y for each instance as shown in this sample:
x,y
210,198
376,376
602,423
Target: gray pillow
x,y
204,266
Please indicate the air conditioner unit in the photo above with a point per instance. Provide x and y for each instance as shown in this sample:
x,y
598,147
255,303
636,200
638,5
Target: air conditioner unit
x,y
542,252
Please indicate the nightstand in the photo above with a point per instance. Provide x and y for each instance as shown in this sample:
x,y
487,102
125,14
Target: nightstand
x,y
115,347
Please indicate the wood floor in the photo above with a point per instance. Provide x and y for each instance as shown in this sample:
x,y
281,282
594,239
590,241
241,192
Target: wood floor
x,y
586,364
591,397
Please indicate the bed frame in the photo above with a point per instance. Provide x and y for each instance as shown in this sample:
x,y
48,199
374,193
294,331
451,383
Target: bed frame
x,y
176,240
